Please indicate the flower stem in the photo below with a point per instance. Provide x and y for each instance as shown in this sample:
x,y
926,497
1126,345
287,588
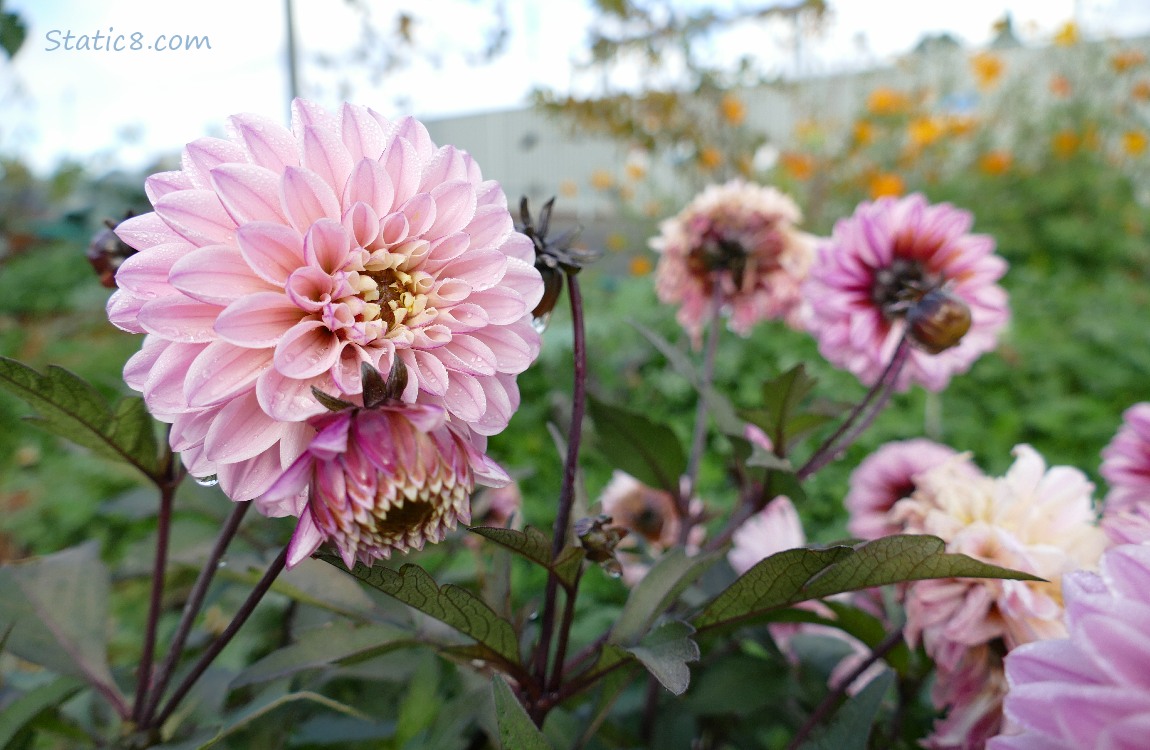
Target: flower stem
x,y
567,491
224,638
826,706
564,633
699,436
848,431
192,608
172,476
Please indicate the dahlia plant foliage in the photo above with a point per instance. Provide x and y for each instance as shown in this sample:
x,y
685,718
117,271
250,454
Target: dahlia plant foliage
x,y
334,316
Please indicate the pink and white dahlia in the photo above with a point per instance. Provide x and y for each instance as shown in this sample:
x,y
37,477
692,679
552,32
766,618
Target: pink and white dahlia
x,y
901,263
1092,688
971,684
391,477
280,260
887,476
773,529
741,236
1126,467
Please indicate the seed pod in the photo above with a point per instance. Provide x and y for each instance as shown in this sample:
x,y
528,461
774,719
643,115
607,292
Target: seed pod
x,y
937,321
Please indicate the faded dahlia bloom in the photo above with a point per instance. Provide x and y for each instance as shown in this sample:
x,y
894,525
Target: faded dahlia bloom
x,y
742,237
887,476
644,513
1126,467
388,478
899,264
1033,519
277,261
1091,689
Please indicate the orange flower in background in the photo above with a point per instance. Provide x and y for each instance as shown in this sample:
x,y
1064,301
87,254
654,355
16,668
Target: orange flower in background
x,y
864,132
1126,60
961,124
733,109
710,158
886,184
1141,91
640,266
799,166
887,101
568,188
923,131
995,162
1060,86
987,68
1134,142
601,179
809,130
1065,143
616,241
1067,34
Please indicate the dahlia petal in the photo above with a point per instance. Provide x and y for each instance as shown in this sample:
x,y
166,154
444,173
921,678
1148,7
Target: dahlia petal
x,y
468,354
464,397
490,193
503,306
145,274
481,269
490,226
163,389
203,154
272,250
306,114
500,407
162,183
347,371
223,371
138,366
415,133
247,480
449,164
523,278
198,216
189,429
248,192
420,213
145,231
362,223
393,228
306,539
362,133
327,245
430,374
307,198
123,311
306,350
449,291
519,247
216,274
403,167
293,442
289,399
241,431
310,289
463,318
325,154
258,320
514,346
269,144
369,183
178,318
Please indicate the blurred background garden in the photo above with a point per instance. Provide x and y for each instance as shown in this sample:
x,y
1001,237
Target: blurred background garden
x,y
1039,124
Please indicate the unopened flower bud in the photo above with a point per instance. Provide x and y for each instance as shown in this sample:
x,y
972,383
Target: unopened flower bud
x,y
937,321
600,538
106,252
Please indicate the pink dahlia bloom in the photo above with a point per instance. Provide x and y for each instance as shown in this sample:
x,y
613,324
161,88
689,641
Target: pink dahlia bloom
x,y
972,687
898,260
887,476
392,477
1091,689
1126,467
741,236
773,529
277,261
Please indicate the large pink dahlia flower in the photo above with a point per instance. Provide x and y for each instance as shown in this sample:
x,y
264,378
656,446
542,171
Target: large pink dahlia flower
x,y
742,237
899,262
1126,467
277,261
1091,689
390,477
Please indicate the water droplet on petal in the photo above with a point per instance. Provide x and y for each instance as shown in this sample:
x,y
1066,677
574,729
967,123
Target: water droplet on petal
x,y
222,564
211,480
540,323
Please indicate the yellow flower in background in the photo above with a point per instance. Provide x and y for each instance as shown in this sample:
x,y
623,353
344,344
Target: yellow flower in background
x,y
616,241
601,179
924,131
1141,91
1065,143
1134,142
987,68
636,164
887,101
1067,34
799,166
961,124
1127,59
995,162
1060,86
568,188
733,109
864,132
886,184
710,158
809,130
640,266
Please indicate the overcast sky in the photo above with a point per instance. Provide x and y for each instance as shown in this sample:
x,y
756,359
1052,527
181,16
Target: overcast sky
x,y
124,107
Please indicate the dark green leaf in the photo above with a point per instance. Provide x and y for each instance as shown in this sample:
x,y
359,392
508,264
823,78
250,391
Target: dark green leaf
x,y
516,730
648,451
13,31
319,585
533,545
450,604
781,399
851,726
259,708
658,590
665,653
328,644
797,575
55,610
70,407
19,713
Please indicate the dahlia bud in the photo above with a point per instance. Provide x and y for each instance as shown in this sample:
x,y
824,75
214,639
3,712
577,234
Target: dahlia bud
x,y
600,538
937,321
106,252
